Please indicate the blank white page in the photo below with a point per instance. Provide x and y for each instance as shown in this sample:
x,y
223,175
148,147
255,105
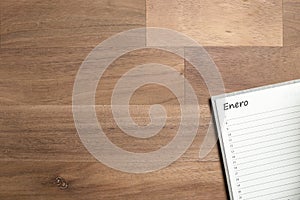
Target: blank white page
x,y
259,132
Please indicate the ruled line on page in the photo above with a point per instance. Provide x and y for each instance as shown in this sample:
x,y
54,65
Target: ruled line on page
x,y
267,146
264,129
263,112
248,180
273,193
229,125
281,179
270,187
270,181
270,134
269,169
261,153
242,163
268,163
238,147
270,123
292,195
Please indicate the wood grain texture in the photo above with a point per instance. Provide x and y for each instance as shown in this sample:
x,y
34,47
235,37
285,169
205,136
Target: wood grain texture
x,y
46,76
42,45
291,23
79,23
247,67
50,40
188,180
48,133
242,68
219,23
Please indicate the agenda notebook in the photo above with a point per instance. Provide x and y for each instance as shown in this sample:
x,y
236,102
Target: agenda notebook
x,y
259,134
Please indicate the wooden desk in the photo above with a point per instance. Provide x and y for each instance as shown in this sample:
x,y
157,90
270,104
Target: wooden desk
x,y
43,44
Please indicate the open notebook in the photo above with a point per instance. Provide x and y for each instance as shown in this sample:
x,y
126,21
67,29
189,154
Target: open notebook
x,y
259,133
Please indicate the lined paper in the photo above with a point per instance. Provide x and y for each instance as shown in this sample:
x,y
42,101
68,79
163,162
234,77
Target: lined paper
x,y
260,141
